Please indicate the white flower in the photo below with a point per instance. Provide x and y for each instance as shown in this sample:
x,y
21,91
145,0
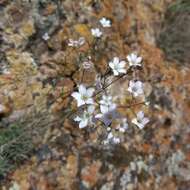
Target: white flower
x,y
112,139
84,96
106,105
76,43
123,126
46,36
134,60
117,66
88,63
15,186
73,43
147,103
136,88
105,22
133,166
96,32
81,41
86,118
141,166
106,100
108,117
140,121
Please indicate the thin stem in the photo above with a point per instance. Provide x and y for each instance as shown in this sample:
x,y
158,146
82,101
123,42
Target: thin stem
x,y
82,78
106,86
131,105
72,112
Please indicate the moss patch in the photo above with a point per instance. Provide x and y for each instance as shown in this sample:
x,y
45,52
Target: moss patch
x,y
180,6
174,38
15,145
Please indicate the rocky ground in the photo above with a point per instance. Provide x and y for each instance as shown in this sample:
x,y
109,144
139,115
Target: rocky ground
x,y
42,148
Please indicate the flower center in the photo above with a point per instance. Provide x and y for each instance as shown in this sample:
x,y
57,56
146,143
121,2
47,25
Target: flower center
x,y
109,116
84,97
134,89
139,120
87,115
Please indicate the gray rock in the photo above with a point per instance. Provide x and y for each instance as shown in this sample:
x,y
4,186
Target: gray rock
x,y
174,38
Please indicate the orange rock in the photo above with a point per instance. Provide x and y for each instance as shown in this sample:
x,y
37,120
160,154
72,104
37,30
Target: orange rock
x,y
88,179
5,110
50,9
72,165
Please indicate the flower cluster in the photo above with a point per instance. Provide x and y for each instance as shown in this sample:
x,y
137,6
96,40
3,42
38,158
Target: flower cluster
x,y
99,107
84,95
105,23
117,66
76,43
87,64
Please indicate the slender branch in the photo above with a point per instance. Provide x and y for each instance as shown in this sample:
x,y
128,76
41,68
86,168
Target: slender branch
x,y
131,105
106,86
82,78
75,111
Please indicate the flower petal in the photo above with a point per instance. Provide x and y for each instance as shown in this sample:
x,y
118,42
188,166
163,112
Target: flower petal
x,y
76,95
104,109
133,57
90,92
129,58
139,84
99,115
83,123
140,115
111,65
89,101
130,88
135,94
110,136
122,71
131,83
77,119
140,91
82,89
80,102
139,59
115,72
140,126
102,102
122,64
91,109
134,121
107,121
116,60
145,121
112,106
